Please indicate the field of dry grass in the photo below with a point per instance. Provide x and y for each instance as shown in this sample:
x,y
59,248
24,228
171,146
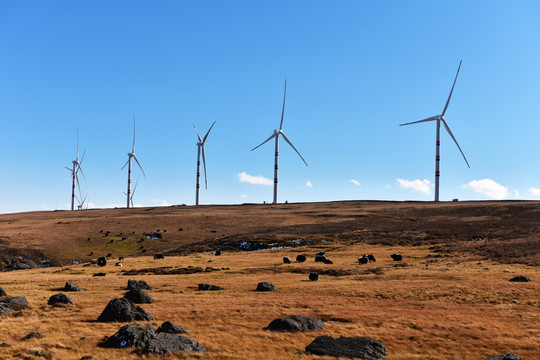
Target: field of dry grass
x,y
449,299
427,307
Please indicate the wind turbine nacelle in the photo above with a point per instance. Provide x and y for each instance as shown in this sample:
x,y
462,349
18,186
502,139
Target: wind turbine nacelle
x,y
277,132
200,144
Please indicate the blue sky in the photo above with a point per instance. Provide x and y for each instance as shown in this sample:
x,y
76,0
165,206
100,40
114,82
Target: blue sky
x,y
355,71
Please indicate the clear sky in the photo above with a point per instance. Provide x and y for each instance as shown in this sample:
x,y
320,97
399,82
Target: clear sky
x,y
355,70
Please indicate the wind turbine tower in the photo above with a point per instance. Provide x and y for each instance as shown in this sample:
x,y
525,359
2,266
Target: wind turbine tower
x,y
276,135
75,172
130,156
200,148
439,119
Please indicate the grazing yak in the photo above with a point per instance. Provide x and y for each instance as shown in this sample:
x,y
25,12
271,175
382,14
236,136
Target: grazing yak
x,y
396,257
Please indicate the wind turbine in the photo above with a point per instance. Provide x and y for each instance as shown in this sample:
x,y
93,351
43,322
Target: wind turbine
x,y
75,172
133,193
440,118
80,205
276,136
200,145
131,155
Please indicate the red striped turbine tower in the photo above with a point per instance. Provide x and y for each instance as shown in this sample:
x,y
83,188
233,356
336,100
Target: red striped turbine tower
x,y
200,147
439,119
276,135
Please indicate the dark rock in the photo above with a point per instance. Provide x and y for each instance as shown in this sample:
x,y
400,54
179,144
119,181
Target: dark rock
x,y
217,253
138,296
206,287
266,286
5,310
141,284
102,261
21,263
99,274
132,335
286,260
39,353
295,323
36,334
171,328
87,357
165,343
371,258
313,276
158,257
3,292
520,278
349,347
71,287
396,257
363,260
60,299
15,302
123,310
301,258
320,258
504,357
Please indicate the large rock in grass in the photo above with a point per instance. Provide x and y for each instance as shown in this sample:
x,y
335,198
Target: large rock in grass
x,y
5,310
132,335
207,287
520,278
348,347
71,287
165,343
171,328
138,296
123,310
59,300
141,284
15,302
266,286
295,323
504,357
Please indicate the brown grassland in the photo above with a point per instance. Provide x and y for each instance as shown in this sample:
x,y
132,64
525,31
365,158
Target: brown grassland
x,y
449,298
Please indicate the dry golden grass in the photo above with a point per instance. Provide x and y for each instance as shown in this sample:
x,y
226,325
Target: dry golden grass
x,y
427,307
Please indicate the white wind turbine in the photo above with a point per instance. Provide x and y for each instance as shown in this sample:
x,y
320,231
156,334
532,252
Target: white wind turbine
x,y
132,193
131,155
75,172
440,118
80,205
276,136
200,146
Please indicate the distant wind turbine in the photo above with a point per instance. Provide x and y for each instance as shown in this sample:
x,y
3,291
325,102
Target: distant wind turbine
x,y
440,118
200,146
132,193
276,136
131,155
80,205
75,172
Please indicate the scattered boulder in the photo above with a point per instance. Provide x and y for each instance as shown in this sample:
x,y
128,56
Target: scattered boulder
x,y
348,347
504,357
102,261
165,343
266,286
5,310
15,302
141,284
35,334
171,328
363,260
313,276
3,292
158,257
295,323
301,258
99,274
60,299
123,310
520,278
132,335
21,263
206,287
286,260
396,257
71,287
138,296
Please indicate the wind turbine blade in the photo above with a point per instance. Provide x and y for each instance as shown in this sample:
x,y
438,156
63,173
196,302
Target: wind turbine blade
x,y
138,163
79,168
84,200
125,164
451,91
84,153
77,179
133,134
77,144
283,109
290,143
199,136
265,141
204,166
425,120
134,188
70,170
452,135
205,136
